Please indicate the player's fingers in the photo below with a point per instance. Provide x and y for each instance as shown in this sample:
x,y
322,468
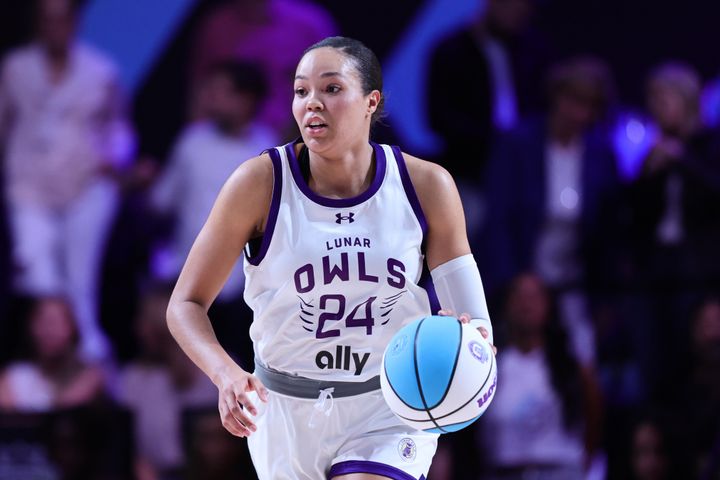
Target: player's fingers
x,y
445,312
229,422
259,388
464,318
243,418
486,334
239,408
242,398
235,406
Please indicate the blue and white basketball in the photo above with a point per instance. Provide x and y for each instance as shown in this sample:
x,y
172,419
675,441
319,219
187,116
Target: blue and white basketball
x,y
438,375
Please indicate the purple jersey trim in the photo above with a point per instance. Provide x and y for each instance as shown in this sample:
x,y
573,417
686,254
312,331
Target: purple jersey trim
x,y
410,192
366,466
338,202
274,207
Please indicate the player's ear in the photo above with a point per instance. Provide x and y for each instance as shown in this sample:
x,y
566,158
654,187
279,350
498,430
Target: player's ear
x,y
373,100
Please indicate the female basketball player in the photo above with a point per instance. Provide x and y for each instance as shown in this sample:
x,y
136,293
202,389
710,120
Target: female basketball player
x,y
336,229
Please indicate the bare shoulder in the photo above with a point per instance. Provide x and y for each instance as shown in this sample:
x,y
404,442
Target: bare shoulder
x,y
443,210
245,199
432,182
254,174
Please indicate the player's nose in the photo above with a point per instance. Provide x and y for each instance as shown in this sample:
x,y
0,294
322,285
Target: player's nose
x,y
314,104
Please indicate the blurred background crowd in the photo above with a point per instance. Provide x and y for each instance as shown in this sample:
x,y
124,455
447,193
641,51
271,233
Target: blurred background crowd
x,y
585,141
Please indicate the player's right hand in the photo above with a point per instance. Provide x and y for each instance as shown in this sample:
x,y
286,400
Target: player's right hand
x,y
233,385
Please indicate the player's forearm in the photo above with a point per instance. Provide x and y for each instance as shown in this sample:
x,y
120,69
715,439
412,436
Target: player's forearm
x,y
459,288
190,326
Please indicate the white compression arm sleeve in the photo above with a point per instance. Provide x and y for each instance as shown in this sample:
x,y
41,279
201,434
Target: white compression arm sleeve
x,y
459,288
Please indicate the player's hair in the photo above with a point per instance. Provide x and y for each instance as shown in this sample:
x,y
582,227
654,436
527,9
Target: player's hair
x,y
366,62
244,76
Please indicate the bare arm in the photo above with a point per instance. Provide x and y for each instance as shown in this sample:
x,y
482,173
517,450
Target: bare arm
x,y
440,201
239,214
447,238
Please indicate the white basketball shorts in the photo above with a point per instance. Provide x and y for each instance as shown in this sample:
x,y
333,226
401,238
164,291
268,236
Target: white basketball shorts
x,y
319,439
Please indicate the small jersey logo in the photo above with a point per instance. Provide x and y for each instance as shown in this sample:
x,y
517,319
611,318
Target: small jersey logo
x,y
344,218
407,449
478,351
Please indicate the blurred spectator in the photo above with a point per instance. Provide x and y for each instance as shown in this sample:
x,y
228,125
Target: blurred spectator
x,y
54,376
694,391
674,222
656,449
549,182
482,79
205,156
649,454
273,33
65,136
544,421
157,387
71,444
213,453
90,444
676,199
6,337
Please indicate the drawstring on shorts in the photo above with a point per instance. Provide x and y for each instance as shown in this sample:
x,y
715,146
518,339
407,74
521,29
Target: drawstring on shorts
x,y
323,405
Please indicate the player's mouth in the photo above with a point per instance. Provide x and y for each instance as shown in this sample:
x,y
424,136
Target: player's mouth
x,y
315,121
316,126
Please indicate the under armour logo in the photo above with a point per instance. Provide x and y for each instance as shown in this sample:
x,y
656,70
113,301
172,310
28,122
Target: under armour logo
x,y
340,217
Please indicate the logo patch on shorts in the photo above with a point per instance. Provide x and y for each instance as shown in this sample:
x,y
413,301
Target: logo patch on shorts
x,y
478,351
407,449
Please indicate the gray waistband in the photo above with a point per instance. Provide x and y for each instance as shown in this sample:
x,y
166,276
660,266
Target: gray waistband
x,y
302,387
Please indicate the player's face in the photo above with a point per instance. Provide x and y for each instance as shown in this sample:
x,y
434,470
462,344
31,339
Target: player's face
x,y
329,105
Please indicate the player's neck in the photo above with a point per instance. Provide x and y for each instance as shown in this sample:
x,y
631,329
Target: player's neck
x,y
342,176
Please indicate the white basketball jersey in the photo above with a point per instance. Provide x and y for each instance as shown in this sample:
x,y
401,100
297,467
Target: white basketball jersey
x,y
334,279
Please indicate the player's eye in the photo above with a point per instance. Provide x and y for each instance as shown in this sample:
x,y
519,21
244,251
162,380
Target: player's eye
x,y
300,92
333,88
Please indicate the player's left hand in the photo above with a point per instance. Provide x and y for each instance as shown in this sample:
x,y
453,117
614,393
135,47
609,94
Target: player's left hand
x,y
465,318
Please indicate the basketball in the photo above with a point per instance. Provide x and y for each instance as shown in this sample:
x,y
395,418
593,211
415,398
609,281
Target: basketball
x,y
438,375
